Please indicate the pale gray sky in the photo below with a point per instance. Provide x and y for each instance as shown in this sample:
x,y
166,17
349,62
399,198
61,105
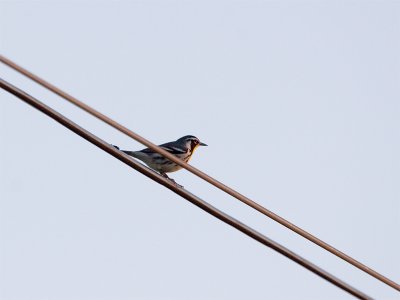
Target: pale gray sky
x,y
298,101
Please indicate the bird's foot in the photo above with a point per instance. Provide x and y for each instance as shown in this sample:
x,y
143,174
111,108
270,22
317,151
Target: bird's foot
x,y
169,178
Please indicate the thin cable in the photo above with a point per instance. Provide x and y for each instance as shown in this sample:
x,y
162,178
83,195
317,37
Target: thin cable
x,y
180,191
202,175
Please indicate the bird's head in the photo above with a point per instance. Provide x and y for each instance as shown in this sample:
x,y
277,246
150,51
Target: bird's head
x,y
191,142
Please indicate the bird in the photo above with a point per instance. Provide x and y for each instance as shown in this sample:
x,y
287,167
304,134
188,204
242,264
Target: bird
x,y
183,148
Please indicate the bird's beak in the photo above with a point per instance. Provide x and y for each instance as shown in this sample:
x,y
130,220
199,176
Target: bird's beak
x,y
202,144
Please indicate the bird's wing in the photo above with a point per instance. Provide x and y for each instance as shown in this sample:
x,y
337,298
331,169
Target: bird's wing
x,y
171,147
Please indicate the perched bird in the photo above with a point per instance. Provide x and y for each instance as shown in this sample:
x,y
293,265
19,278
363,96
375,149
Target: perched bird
x,y
182,148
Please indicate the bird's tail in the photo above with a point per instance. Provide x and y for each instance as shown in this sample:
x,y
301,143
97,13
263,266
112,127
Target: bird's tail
x,y
131,153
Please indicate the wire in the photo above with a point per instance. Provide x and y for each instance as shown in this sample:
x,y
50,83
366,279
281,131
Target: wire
x,y
202,175
180,191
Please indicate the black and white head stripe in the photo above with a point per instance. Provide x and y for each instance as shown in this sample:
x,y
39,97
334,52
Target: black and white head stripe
x,y
188,138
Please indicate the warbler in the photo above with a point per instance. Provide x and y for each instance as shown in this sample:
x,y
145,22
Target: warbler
x,y
183,148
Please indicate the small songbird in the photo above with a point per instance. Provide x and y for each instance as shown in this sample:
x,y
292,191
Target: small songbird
x,y
182,148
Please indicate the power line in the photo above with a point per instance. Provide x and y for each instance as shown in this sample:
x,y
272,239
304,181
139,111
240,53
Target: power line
x,y
202,175
180,191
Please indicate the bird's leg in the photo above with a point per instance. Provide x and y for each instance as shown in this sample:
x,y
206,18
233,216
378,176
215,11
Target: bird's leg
x,y
166,176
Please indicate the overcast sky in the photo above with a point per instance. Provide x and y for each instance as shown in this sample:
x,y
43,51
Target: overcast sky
x,y
297,100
